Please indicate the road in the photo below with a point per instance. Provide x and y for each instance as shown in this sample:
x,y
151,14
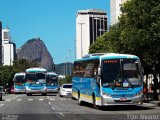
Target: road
x,y
53,107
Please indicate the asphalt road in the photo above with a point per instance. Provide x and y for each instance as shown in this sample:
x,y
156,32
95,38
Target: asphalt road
x,y
53,107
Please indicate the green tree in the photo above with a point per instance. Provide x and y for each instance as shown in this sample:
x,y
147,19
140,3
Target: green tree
x,y
67,79
7,72
137,32
6,75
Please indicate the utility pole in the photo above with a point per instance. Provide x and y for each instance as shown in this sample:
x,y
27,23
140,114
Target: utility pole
x,y
70,61
66,66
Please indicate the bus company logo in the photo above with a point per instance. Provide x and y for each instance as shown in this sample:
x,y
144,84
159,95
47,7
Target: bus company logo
x,y
142,117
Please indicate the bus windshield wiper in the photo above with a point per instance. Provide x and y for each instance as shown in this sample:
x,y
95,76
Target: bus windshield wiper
x,y
113,85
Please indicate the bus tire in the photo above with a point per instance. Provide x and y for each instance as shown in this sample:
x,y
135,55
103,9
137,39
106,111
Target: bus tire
x,y
28,94
94,102
73,98
44,94
1,98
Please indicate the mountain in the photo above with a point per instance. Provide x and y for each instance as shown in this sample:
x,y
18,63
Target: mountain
x,y
36,51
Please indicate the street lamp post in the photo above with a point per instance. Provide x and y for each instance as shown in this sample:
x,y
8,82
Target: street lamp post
x,y
53,65
66,66
70,59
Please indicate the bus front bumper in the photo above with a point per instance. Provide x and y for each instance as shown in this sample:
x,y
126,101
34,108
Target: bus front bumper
x,y
52,90
19,90
136,100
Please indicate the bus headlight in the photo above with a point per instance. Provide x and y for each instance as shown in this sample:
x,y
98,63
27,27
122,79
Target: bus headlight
x,y
45,88
27,88
16,89
139,93
106,94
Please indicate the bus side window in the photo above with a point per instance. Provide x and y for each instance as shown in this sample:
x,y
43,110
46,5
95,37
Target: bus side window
x,y
78,69
95,69
89,69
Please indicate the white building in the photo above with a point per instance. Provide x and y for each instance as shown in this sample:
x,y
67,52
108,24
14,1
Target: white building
x,y
8,48
89,25
115,11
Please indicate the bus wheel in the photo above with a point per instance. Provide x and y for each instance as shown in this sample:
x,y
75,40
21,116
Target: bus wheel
x,y
28,94
94,103
44,94
73,98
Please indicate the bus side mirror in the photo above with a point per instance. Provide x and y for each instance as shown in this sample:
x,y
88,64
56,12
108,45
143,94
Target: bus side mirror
x,y
99,71
99,75
142,70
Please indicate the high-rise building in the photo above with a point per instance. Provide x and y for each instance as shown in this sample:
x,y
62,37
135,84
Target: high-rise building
x,y
9,48
115,11
89,25
1,43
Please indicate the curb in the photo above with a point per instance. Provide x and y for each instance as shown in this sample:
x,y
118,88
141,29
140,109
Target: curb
x,y
157,103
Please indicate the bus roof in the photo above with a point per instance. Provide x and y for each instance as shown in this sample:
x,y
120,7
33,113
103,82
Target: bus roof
x,y
36,70
106,56
51,73
19,73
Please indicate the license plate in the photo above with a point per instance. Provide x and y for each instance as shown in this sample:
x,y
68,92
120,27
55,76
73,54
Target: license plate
x,y
123,99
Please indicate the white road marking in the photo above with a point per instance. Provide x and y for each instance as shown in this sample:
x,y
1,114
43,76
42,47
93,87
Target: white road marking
x,y
63,99
8,99
1,105
49,103
19,99
53,108
48,97
61,114
30,99
52,99
15,97
40,99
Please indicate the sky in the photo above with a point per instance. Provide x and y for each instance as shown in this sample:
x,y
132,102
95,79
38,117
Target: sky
x,y
54,21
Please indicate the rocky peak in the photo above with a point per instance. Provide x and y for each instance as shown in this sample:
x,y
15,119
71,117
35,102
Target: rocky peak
x,y
36,51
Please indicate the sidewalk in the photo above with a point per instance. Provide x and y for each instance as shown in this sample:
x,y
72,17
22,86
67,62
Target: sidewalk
x,y
157,103
154,102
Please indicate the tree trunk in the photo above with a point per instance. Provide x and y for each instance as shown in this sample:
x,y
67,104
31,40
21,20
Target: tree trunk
x,y
155,80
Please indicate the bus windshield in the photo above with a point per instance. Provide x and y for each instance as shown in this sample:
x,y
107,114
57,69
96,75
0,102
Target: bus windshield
x,y
35,77
19,79
119,70
52,79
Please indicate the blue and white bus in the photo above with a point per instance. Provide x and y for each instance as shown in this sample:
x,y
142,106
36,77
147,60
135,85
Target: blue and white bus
x,y
35,81
108,79
52,82
19,82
